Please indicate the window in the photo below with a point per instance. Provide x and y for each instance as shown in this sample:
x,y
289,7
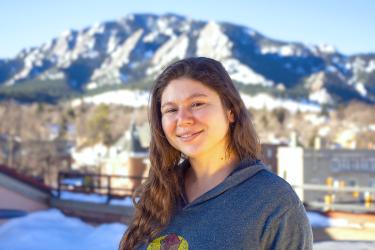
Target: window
x,y
352,183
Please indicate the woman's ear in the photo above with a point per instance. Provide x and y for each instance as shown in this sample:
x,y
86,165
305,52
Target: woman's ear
x,y
230,116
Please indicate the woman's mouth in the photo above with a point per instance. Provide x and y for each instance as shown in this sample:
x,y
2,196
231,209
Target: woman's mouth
x,y
186,137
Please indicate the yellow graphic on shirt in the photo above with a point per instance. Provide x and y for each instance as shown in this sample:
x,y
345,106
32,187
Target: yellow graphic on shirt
x,y
169,242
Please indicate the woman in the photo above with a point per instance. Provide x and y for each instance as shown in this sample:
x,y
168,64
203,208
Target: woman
x,y
206,187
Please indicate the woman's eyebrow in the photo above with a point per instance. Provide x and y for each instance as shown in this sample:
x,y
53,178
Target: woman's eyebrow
x,y
195,95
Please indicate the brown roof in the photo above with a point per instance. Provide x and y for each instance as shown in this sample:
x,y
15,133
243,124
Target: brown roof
x,y
29,180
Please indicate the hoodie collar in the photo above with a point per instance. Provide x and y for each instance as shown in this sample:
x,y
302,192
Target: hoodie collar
x,y
243,171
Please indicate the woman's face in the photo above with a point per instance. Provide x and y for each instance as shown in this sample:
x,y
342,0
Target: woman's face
x,y
194,119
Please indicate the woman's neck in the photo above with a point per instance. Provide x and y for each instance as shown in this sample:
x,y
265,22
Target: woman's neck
x,y
203,168
205,174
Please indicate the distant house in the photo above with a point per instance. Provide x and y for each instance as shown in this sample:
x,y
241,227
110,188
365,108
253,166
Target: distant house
x,y
20,192
128,157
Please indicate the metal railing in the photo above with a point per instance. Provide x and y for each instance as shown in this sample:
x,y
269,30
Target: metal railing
x,y
359,203
101,184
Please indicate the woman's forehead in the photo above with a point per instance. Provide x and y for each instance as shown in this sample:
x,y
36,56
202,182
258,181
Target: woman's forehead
x,y
184,88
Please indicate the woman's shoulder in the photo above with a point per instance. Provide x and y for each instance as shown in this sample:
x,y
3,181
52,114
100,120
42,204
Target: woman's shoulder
x,y
274,188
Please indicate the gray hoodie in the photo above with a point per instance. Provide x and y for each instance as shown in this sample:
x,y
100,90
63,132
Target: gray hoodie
x,y
251,209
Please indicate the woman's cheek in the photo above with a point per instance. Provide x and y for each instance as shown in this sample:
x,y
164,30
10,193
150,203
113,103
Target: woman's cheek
x,y
167,125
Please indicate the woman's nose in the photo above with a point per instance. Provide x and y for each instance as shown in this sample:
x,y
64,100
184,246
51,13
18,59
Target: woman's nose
x,y
184,117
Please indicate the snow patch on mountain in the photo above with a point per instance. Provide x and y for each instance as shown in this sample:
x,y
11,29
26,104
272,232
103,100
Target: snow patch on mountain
x,y
327,48
321,96
135,98
360,87
371,66
268,102
283,50
244,74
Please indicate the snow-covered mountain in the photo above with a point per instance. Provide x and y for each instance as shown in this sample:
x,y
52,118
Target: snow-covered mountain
x,y
134,49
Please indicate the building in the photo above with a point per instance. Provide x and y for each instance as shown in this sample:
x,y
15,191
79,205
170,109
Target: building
x,y
269,155
21,193
333,168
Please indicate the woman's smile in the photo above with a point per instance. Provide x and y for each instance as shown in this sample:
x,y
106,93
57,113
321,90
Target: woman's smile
x,y
189,136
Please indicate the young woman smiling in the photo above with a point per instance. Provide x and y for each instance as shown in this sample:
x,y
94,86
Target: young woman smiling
x,y
206,187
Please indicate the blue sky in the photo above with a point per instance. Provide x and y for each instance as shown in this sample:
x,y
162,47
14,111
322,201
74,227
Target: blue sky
x,y
347,24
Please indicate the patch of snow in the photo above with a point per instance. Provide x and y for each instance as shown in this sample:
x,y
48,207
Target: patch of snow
x,y
344,245
89,155
268,102
132,98
348,66
324,131
91,54
283,50
318,220
360,87
97,28
327,48
113,42
150,37
315,119
51,229
52,76
371,66
72,181
96,198
321,96
244,74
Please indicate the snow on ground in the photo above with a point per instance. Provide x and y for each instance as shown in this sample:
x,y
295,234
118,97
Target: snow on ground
x,y
96,198
51,229
345,245
319,220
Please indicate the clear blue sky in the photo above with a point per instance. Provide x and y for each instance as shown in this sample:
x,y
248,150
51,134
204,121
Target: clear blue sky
x,y
347,24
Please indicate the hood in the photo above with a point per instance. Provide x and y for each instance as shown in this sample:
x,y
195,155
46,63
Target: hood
x,y
244,170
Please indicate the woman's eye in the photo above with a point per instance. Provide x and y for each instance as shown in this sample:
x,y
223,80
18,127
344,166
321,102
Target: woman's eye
x,y
170,110
197,104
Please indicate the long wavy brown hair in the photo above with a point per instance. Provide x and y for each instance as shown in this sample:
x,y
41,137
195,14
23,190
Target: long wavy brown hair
x,y
159,194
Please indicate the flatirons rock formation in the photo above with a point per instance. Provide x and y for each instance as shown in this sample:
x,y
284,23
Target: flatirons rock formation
x,y
137,47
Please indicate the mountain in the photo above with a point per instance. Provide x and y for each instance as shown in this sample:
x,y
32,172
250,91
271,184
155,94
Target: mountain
x,y
130,52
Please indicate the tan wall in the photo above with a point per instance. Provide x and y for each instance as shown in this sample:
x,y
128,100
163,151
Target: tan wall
x,y
13,200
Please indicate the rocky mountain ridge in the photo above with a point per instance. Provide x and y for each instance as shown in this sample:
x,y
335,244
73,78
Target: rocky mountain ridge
x,y
134,49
